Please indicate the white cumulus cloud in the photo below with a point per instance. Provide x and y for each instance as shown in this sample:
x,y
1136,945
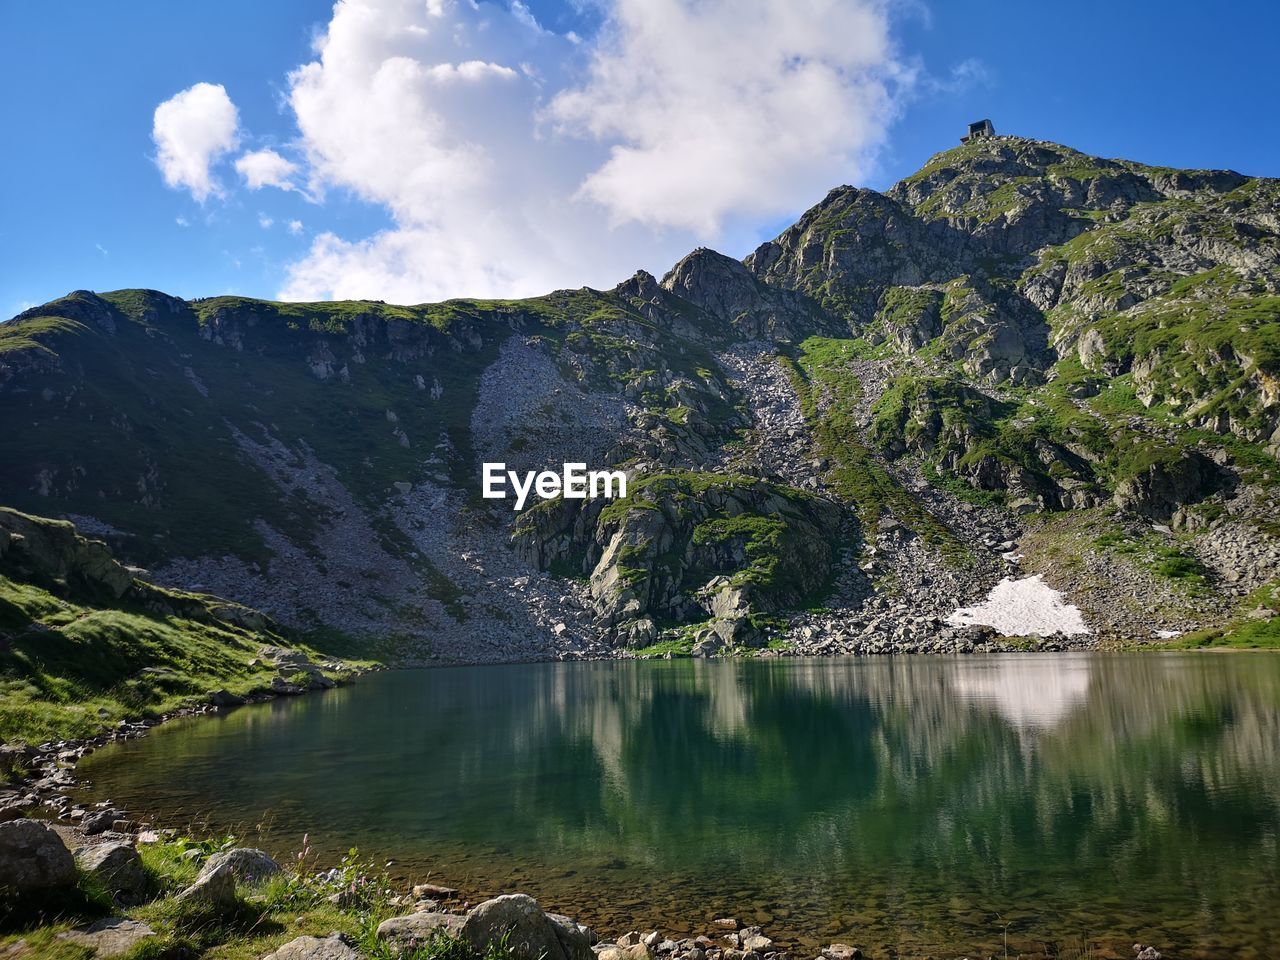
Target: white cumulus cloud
x,y
512,160
192,130
731,107
266,168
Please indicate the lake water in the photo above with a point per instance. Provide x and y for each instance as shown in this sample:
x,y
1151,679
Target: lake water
x,y
911,805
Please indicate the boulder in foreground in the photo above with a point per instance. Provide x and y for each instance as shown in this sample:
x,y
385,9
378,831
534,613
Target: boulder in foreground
x,y
331,947
33,857
110,937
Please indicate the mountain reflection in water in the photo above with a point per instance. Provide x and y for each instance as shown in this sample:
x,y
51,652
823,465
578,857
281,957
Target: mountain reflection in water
x,y
906,803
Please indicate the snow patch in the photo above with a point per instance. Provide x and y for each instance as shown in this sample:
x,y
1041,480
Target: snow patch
x,y
1019,608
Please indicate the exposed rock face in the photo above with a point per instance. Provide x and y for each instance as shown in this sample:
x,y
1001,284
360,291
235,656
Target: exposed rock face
x,y
33,857
667,553
728,291
51,551
854,243
1169,484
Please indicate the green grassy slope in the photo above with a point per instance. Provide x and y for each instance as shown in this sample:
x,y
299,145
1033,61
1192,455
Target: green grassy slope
x,y
83,645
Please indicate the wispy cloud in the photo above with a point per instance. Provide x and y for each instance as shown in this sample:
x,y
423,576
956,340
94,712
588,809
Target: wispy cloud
x,y
267,168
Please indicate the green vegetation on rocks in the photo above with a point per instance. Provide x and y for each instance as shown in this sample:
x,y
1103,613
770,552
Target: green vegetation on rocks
x,y
84,645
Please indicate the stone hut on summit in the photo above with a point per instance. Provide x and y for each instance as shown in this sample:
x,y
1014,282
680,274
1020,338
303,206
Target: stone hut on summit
x,y
978,130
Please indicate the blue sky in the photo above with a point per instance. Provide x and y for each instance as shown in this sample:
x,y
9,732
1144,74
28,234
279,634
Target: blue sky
x,y
586,139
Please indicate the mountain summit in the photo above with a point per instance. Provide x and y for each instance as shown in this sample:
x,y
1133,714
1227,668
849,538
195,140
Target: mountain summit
x,y
1020,360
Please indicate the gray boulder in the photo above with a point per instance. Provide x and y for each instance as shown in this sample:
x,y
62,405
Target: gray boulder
x,y
118,867
331,947
708,646
247,864
576,939
530,933
33,857
215,889
110,937
406,933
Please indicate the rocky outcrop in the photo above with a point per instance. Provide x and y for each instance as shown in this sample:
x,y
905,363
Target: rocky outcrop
x,y
970,434
82,306
753,310
1160,488
853,245
685,546
51,551
110,937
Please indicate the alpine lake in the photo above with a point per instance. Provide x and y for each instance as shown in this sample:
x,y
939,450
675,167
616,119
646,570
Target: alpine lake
x,y
1066,805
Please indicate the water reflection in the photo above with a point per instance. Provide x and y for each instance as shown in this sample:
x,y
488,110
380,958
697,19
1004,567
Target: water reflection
x,y
1030,692
914,803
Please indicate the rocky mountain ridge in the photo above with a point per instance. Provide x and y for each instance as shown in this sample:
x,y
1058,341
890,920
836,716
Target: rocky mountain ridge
x,y
1020,358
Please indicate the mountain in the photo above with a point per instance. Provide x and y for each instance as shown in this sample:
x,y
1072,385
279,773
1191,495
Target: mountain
x,y
1020,360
